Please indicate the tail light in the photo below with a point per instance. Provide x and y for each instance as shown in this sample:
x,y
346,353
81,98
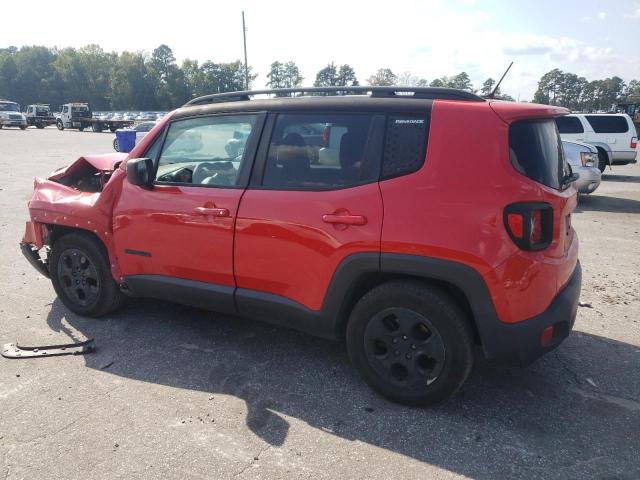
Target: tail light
x,y
326,133
634,142
530,225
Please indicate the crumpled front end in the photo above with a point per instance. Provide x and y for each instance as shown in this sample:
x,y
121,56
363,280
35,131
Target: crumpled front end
x,y
77,197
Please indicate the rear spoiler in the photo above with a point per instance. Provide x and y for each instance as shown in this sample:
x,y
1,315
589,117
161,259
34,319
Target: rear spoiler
x,y
511,112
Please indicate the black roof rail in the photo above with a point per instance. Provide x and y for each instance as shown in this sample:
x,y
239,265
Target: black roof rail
x,y
389,92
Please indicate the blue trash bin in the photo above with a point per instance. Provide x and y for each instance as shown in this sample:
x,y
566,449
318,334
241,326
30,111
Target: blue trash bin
x,y
126,140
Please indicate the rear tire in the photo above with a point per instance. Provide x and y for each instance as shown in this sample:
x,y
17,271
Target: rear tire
x,y
410,342
40,125
115,145
60,125
96,127
81,276
80,129
23,127
603,160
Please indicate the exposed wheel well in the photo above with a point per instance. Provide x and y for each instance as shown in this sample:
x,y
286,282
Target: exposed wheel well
x,y
370,281
57,231
604,151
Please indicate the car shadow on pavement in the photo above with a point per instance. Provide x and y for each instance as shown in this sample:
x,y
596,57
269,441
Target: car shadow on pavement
x,y
573,414
606,177
605,203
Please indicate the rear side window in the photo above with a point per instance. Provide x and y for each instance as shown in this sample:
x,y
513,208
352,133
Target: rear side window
x,y
536,151
405,146
569,125
324,151
608,123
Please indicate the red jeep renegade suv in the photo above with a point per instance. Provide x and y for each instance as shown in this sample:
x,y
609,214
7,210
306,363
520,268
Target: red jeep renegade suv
x,y
415,223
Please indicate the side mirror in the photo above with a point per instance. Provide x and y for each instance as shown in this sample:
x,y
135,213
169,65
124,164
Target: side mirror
x,y
140,172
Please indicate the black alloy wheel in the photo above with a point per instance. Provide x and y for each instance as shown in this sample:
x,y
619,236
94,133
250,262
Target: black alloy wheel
x,y
403,346
78,277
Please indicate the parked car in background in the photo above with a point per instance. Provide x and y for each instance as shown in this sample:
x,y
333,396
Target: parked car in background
x,y
10,115
613,134
583,159
141,130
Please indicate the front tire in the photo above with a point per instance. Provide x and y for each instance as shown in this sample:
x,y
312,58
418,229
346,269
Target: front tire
x,y
81,275
116,147
60,125
410,342
23,127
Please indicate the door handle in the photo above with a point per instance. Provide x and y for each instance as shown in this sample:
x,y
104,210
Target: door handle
x,y
213,211
344,219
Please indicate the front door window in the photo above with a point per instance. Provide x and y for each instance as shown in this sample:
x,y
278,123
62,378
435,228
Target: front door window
x,y
207,151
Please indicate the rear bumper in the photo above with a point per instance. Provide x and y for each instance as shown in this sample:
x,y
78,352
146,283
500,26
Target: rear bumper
x,y
519,343
623,158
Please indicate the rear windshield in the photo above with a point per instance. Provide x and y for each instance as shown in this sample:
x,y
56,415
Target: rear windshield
x,y
608,123
536,151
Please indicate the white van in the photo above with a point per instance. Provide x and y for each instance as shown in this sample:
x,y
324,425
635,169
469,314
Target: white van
x,y
613,134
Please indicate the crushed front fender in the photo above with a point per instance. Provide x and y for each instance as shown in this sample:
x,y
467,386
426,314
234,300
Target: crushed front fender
x,y
78,197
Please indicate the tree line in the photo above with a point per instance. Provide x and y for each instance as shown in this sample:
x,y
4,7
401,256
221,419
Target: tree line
x,y
141,81
112,81
579,94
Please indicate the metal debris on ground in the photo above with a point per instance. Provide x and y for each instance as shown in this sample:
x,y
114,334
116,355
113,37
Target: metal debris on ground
x,y
13,350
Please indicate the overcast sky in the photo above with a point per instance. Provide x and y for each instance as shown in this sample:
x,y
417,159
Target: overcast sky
x,y
592,38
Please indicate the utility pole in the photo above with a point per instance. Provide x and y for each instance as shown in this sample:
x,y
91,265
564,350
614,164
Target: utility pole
x,y
246,65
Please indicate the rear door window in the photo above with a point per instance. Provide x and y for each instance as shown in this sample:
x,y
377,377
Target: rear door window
x,y
324,151
608,123
569,125
536,151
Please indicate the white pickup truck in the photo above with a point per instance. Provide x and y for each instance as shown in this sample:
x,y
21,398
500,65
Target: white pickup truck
x,y
613,134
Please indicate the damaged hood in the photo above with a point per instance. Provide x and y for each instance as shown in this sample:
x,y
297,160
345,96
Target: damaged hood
x,y
104,163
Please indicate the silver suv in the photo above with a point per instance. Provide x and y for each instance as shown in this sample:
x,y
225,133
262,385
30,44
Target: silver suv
x,y
613,134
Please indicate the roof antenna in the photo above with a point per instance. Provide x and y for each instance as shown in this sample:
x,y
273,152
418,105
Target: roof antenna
x,y
495,89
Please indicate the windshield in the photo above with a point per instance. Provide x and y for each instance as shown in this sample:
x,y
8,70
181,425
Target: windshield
x,y
42,110
9,107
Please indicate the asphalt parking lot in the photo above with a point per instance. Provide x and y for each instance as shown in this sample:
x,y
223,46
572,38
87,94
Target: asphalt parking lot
x,y
175,392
